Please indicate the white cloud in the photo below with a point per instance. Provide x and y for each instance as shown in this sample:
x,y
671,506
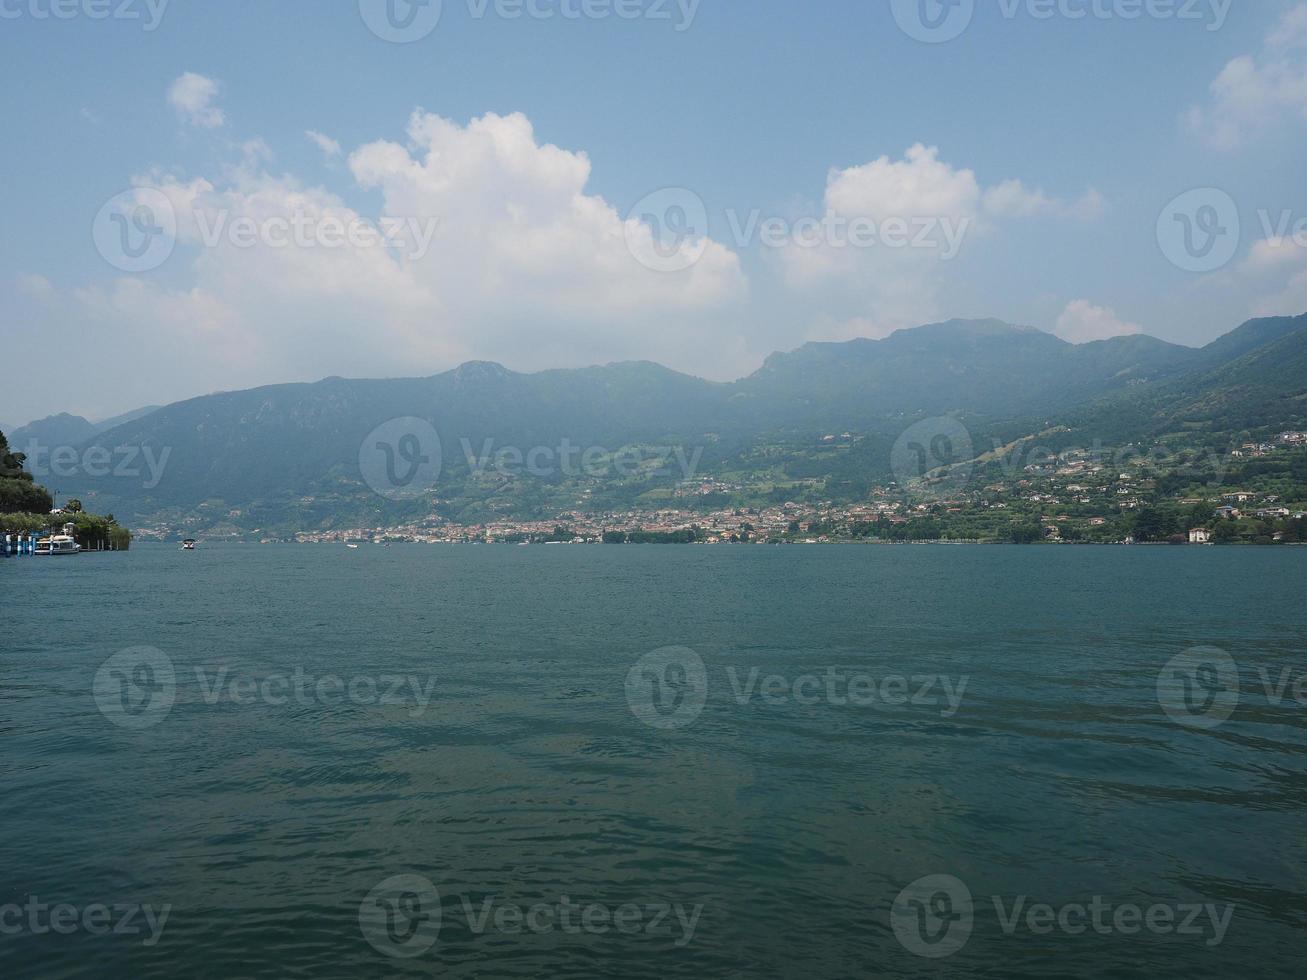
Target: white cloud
x,y
873,291
523,266
329,147
1276,271
1012,199
1083,323
192,97
1253,93
520,238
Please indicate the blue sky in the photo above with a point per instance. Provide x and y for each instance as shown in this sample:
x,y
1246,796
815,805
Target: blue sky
x,y
1045,147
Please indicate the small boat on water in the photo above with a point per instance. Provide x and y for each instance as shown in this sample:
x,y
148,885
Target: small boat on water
x,y
60,544
188,544
352,547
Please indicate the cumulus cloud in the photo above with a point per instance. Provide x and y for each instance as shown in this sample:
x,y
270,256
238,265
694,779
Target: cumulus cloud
x,y
520,236
1254,92
330,148
1082,323
192,96
487,245
895,283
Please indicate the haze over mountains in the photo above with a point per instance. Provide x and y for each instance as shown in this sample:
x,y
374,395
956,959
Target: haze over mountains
x,y
289,454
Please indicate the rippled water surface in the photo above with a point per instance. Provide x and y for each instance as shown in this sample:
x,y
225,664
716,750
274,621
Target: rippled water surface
x,y
774,829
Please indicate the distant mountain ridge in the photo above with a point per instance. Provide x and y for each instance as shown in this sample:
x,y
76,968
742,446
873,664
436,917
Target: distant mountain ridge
x,y
300,442
70,430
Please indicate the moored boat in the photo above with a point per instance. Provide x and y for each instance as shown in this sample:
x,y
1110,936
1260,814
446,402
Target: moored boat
x,y
60,544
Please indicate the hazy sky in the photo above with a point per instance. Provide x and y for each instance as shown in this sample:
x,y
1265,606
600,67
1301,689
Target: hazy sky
x,y
206,196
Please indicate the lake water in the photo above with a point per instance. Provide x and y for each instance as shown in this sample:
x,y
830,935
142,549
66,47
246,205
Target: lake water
x,y
912,761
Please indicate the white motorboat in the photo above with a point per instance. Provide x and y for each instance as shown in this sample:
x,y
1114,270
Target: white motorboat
x,y
60,544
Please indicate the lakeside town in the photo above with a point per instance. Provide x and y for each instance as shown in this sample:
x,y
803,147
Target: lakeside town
x,y
1256,493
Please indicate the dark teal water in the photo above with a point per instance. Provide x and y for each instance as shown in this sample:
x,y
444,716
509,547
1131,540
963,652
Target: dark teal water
x,y
529,779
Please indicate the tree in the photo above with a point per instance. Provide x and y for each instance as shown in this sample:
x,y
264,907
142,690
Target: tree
x,y
1025,533
19,493
73,506
1153,525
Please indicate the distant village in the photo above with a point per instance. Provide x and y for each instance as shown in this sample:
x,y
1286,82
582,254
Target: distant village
x,y
1068,497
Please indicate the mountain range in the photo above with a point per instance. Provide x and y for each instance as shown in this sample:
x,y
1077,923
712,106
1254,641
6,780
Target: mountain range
x,y
288,455
70,430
